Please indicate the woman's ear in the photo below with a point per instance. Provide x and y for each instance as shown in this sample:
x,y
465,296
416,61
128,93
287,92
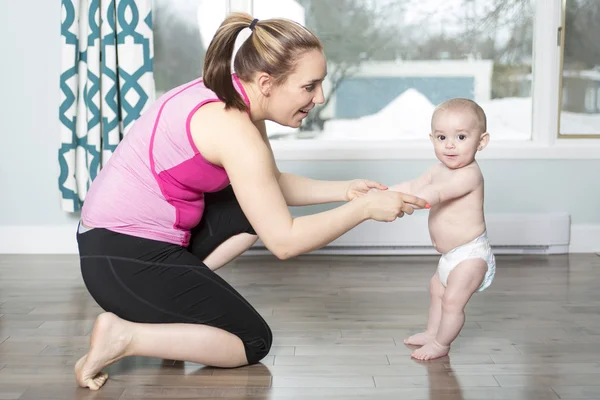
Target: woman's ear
x,y
265,83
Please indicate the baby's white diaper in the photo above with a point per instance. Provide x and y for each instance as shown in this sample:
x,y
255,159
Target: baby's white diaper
x,y
477,248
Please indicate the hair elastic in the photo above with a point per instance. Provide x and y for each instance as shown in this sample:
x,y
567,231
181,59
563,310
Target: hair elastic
x,y
253,24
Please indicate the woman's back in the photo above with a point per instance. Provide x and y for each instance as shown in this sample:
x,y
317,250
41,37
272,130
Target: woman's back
x,y
153,185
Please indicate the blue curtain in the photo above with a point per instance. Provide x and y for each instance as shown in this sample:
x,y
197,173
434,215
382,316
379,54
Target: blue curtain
x,y
106,82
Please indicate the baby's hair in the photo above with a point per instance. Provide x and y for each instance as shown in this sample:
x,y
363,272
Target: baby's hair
x,y
460,104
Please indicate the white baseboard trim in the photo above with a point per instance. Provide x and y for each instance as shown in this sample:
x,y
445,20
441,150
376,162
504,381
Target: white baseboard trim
x,y
61,239
413,251
585,238
44,239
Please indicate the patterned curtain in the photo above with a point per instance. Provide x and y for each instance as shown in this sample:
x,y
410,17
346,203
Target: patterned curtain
x,y
106,82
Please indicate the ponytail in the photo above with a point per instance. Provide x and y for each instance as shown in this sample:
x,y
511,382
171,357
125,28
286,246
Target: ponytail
x,y
217,61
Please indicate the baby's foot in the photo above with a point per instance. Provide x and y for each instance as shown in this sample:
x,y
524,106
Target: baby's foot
x,y
419,339
109,343
430,351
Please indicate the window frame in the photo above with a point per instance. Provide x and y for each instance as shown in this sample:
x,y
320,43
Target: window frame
x,y
545,141
574,136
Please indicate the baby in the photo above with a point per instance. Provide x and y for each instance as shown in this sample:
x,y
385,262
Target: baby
x,y
454,189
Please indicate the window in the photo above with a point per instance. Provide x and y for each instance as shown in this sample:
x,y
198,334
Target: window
x,y
182,31
391,62
580,70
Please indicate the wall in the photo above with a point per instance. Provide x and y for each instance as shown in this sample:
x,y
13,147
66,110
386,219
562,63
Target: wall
x,y
30,211
30,43
512,186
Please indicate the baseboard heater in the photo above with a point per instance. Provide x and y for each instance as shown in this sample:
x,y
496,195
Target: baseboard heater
x,y
527,233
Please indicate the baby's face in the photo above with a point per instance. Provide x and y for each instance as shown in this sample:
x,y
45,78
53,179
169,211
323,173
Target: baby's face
x,y
456,136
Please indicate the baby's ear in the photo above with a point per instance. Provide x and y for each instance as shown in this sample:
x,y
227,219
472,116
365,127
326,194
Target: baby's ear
x,y
484,139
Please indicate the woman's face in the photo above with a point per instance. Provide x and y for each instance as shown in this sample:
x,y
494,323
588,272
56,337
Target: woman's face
x,y
289,103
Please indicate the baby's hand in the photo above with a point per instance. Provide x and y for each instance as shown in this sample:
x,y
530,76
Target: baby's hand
x,y
375,190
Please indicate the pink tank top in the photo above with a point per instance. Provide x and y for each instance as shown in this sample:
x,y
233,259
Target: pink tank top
x,y
153,185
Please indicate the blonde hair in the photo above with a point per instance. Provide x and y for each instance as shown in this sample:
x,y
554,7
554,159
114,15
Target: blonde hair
x,y
460,104
274,47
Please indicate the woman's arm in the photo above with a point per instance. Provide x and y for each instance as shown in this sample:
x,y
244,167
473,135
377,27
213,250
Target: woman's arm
x,y
240,149
301,191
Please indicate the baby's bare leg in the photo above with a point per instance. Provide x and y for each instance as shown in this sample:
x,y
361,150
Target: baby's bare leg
x,y
463,281
436,292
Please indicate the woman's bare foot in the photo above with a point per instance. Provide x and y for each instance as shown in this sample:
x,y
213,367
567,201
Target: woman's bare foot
x,y
94,382
430,351
419,339
109,343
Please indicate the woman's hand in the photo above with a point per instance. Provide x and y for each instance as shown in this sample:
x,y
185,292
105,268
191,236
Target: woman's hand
x,y
360,187
386,206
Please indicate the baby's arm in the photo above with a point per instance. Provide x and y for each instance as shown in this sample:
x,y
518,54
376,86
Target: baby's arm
x,y
463,181
413,186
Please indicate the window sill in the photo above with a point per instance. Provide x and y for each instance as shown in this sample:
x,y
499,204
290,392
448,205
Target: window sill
x,y
567,149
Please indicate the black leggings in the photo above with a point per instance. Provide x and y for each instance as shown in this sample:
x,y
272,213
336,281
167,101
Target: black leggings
x,y
149,281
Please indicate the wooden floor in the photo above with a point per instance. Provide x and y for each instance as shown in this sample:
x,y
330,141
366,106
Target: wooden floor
x,y
338,325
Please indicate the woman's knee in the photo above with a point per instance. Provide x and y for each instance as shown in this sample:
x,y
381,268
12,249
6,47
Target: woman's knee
x,y
259,346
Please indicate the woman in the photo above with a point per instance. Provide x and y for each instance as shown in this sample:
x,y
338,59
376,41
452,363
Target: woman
x,y
192,186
